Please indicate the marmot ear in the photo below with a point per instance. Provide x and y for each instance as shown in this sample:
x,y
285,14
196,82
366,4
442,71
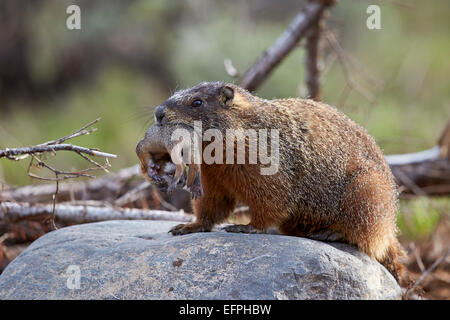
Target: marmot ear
x,y
227,95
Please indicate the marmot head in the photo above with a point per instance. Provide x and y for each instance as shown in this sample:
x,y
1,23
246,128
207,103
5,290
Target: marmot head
x,y
207,102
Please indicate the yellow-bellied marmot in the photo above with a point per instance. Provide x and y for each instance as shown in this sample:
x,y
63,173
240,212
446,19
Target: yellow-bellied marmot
x,y
333,182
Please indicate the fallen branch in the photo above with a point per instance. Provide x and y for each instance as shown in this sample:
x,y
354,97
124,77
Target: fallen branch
x,y
13,212
133,195
426,172
416,157
106,188
424,178
142,190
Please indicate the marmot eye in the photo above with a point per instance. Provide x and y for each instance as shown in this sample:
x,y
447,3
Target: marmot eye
x,y
197,103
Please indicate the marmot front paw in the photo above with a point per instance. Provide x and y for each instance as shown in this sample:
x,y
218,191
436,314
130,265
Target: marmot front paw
x,y
242,228
193,227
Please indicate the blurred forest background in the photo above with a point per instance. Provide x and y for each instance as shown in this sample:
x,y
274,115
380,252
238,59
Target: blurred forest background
x,y
131,55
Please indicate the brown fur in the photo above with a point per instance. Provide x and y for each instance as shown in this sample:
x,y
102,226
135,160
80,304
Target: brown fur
x,y
333,182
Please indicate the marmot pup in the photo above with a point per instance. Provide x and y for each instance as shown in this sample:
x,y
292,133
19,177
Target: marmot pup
x,y
157,151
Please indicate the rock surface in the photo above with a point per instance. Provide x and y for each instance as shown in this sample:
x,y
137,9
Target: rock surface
x,y
140,260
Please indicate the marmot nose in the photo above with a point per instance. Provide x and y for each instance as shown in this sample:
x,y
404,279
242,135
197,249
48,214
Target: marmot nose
x,y
160,113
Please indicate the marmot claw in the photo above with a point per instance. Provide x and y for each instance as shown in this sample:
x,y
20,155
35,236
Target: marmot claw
x,y
242,228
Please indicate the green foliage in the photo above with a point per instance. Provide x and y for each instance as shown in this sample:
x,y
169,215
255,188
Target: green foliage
x,y
418,217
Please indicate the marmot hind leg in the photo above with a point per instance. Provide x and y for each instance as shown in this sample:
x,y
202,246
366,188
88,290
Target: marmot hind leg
x,y
304,225
367,218
392,261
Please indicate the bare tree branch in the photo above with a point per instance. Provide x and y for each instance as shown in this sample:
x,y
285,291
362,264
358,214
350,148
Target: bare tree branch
x,y
312,58
10,153
57,145
284,44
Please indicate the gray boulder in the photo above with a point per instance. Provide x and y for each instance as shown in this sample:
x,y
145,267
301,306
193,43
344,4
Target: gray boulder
x,y
140,260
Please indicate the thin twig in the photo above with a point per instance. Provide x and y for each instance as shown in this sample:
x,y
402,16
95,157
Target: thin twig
x,y
36,153
66,174
54,203
428,271
418,259
104,168
343,60
56,145
77,133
